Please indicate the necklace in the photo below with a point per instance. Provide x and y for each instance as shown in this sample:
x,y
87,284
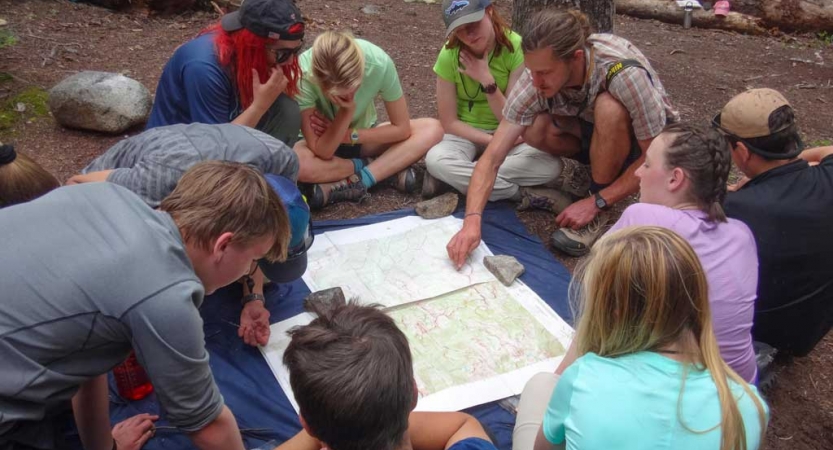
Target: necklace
x,y
479,86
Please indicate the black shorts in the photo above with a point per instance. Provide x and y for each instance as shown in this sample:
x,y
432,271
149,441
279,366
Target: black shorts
x,y
583,156
349,151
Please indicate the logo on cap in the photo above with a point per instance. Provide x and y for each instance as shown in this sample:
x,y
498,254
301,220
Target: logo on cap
x,y
456,6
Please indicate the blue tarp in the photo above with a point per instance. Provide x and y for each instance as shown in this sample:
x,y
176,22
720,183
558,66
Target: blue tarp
x,y
251,390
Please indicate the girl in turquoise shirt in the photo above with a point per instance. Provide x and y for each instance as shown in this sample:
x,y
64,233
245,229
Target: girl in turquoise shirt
x,y
649,373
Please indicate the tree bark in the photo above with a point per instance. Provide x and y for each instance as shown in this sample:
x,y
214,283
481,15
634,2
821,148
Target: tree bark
x,y
600,12
669,12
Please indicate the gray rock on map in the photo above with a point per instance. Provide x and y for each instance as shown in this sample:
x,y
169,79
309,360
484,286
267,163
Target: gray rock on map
x,y
324,298
506,268
100,101
438,206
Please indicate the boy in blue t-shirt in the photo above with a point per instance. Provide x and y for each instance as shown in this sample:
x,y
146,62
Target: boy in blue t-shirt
x,y
352,376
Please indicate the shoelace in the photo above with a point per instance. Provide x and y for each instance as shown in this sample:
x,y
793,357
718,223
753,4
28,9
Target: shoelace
x,y
347,191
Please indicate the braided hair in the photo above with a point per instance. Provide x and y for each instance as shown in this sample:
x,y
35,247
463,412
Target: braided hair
x,y
705,156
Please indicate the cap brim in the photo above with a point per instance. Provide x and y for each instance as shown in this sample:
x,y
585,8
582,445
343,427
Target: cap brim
x,y
231,21
469,18
284,272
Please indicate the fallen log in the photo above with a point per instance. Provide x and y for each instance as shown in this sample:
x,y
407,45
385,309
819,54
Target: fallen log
x,y
790,15
668,11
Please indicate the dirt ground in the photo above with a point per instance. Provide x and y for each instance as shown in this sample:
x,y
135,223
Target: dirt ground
x,y
701,69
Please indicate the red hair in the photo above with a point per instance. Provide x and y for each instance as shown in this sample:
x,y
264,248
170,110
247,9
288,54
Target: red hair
x,y
240,52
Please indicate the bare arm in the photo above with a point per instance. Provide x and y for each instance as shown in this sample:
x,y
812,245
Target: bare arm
x,y
263,96
220,434
325,145
627,183
815,155
569,358
398,130
91,409
541,442
447,111
498,100
91,177
480,188
439,431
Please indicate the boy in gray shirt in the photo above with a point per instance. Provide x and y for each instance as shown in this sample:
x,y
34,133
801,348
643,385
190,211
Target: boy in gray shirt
x,y
91,272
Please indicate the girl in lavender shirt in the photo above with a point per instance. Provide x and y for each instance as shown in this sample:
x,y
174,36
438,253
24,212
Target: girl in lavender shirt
x,y
682,186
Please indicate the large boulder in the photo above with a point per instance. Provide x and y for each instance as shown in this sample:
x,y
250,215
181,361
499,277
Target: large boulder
x,y
100,101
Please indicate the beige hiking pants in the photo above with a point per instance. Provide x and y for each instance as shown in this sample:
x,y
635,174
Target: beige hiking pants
x,y
452,161
531,409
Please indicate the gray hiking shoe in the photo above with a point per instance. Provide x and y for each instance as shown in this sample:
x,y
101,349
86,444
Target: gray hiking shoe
x,y
404,181
351,189
545,198
578,242
432,187
574,178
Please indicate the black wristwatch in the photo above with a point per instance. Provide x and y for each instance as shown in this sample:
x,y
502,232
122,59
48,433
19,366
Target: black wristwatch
x,y
600,202
252,297
489,88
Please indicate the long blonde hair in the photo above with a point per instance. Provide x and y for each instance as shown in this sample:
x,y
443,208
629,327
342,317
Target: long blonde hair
x,y
337,61
643,289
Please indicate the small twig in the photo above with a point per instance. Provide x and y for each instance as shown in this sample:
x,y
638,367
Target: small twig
x,y
675,51
806,86
753,78
218,9
821,99
23,80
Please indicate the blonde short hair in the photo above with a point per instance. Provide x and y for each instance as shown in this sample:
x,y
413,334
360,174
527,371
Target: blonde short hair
x,y
337,61
216,197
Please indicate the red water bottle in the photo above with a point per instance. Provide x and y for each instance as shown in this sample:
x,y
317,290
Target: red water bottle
x,y
131,380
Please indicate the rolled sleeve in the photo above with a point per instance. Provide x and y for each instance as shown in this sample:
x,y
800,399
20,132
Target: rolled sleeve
x,y
634,89
169,342
524,102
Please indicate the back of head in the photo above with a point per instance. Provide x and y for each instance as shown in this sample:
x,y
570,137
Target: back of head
x,y
337,61
764,121
21,178
215,197
704,155
643,288
352,376
563,32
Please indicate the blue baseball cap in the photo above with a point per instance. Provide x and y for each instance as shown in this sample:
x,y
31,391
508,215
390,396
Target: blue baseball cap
x,y
300,222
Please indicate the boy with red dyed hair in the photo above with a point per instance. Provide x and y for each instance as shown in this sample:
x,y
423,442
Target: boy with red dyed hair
x,y
241,70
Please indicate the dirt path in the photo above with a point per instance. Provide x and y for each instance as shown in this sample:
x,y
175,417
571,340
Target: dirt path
x,y
702,69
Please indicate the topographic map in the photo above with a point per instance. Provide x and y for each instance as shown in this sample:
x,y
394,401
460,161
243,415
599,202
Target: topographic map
x,y
475,333
395,269
473,340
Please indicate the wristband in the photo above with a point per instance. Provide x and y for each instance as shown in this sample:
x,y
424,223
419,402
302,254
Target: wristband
x,y
252,297
489,88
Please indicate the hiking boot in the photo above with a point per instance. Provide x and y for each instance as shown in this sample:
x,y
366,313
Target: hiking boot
x,y
578,242
432,187
574,178
351,189
404,181
545,198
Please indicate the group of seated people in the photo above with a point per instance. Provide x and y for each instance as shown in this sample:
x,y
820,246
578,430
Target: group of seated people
x,y
669,299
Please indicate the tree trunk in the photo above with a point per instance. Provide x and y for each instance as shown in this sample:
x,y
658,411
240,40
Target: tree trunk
x,y
600,12
669,12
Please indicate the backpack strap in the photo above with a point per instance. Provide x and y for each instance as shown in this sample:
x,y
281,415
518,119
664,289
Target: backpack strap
x,y
618,67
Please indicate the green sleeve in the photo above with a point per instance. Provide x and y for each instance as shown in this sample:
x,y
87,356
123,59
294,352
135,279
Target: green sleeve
x,y
307,94
517,57
391,88
446,66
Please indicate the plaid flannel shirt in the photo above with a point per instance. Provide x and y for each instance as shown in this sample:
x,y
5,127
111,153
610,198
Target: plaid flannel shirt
x,y
639,90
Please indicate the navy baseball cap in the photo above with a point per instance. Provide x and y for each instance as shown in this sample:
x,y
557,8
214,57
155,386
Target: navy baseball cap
x,y
273,19
300,222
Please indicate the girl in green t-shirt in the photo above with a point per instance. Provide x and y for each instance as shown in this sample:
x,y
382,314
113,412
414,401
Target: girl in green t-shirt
x,y
476,67
342,77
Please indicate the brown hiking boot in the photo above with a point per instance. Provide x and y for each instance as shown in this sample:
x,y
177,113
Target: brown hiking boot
x,y
578,242
545,198
350,189
405,181
574,178
432,187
